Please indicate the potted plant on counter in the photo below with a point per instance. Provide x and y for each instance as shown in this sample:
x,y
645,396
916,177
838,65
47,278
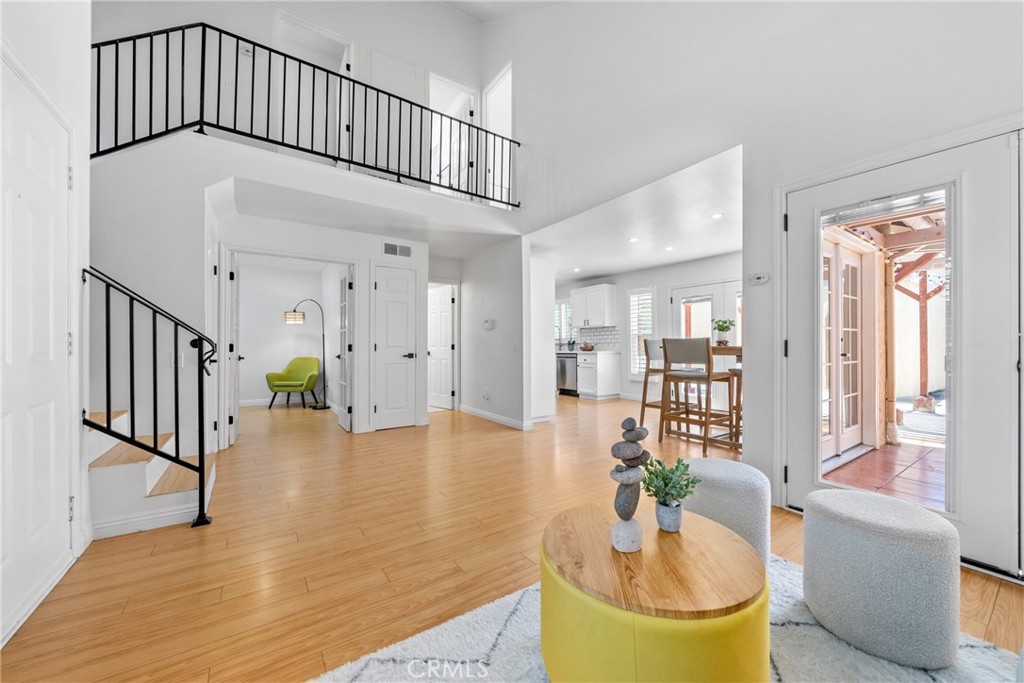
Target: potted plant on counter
x,y
572,344
669,486
722,327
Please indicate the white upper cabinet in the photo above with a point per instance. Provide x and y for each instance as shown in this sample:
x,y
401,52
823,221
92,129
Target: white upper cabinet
x,y
594,306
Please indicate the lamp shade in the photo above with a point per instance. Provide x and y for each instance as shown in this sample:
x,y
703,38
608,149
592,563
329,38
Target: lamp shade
x,y
294,317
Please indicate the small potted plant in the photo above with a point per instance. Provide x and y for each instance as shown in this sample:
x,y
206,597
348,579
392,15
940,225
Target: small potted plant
x,y
669,486
722,327
572,344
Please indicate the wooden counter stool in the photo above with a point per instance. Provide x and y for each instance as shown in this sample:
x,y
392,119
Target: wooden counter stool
x,y
736,402
652,354
690,352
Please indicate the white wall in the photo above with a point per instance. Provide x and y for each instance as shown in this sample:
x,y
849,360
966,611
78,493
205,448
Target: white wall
x,y
50,41
264,339
445,269
493,360
542,356
722,268
693,79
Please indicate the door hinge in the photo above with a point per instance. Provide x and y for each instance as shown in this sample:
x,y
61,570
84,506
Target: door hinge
x,y
71,346
71,178
351,285
785,222
349,409
471,112
231,275
785,348
785,474
214,425
375,409
215,270
71,508
348,128
350,348
69,352
231,348
453,393
453,299
348,67
231,419
374,347
671,300
375,285
453,347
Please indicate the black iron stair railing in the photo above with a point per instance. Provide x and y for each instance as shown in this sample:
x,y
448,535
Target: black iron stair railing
x,y
135,316
153,84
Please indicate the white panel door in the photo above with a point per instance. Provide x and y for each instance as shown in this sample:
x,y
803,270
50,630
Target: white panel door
x,y
394,396
440,342
343,385
35,410
981,184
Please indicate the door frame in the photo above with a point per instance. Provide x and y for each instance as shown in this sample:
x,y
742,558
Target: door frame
x,y
419,337
780,391
80,528
456,335
225,304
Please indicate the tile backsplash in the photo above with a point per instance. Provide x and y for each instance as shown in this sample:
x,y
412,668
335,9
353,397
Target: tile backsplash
x,y
604,338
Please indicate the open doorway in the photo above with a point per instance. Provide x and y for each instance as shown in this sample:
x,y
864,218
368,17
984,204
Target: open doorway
x,y
885,301
441,344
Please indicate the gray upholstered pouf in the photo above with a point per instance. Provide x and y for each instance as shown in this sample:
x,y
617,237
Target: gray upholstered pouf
x,y
883,575
736,496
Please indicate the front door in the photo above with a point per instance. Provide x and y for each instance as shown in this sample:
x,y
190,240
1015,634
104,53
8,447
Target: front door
x,y
440,344
979,184
35,412
394,348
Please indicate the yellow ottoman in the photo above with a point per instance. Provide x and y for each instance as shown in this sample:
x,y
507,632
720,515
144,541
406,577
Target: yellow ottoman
x,y
691,606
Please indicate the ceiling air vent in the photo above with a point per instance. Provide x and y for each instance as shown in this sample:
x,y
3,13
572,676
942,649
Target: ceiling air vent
x,y
397,250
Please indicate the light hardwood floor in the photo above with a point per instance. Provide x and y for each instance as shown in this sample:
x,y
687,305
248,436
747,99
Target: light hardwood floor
x,y
326,546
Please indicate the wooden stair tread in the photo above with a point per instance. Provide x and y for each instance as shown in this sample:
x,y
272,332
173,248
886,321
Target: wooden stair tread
x,y
176,479
101,416
126,454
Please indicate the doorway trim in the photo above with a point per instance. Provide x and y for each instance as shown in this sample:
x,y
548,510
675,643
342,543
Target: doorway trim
x,y
456,335
995,127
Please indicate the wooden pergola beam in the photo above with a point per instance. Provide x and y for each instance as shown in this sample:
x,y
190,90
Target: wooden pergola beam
x,y
891,218
908,269
914,238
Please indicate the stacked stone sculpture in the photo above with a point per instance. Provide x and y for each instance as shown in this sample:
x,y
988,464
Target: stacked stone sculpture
x,y
628,534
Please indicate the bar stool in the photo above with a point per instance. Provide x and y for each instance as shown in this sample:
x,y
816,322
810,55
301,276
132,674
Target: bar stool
x,y
652,354
736,402
691,352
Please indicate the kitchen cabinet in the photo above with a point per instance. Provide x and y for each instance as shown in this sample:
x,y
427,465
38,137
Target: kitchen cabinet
x,y
598,374
593,306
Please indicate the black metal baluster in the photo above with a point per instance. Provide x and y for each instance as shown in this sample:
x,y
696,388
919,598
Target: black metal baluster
x,y
182,92
284,93
135,78
327,105
298,106
234,112
150,84
312,111
106,351
341,84
399,166
366,120
202,79
270,64
502,186
99,100
117,89
252,90
451,147
409,164
220,77
387,147
156,421
167,81
351,121
131,365
177,430
421,143
430,148
376,129
458,179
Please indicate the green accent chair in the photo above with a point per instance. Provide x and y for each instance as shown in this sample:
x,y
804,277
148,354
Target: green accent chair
x,y
299,375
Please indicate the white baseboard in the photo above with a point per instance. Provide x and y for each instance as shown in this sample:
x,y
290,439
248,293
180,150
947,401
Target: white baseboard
x,y
38,595
255,402
594,397
543,418
144,521
630,397
500,419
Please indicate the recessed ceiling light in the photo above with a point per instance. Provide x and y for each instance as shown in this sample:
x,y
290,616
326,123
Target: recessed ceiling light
x,y
575,270
715,216
634,239
668,248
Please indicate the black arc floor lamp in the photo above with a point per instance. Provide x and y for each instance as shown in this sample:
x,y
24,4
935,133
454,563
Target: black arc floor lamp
x,y
297,317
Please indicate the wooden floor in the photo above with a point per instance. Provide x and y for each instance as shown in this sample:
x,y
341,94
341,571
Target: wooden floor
x,y
914,472
326,546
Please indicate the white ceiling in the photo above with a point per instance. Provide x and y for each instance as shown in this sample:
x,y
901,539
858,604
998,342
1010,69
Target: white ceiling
x,y
484,10
447,239
672,212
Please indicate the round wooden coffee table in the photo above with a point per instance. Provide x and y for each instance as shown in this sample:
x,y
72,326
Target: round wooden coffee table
x,y
691,606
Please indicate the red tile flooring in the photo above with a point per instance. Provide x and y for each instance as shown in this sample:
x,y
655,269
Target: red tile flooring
x,y
914,472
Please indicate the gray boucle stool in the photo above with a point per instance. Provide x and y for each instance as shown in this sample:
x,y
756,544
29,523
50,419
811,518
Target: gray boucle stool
x,y
883,575
736,496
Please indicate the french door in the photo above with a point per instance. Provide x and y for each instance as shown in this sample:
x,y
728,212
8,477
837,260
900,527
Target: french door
x,y
980,182
842,350
693,309
343,397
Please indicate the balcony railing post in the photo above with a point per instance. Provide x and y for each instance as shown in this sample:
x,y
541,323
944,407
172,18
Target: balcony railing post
x,y
202,518
202,80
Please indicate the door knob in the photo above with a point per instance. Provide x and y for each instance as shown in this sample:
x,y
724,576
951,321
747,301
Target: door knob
x,y
338,356
409,355
241,358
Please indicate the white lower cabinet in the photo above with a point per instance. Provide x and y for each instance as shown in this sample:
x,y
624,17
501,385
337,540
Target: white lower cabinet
x,y
597,374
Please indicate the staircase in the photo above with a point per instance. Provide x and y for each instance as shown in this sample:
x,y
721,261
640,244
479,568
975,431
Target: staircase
x,y
139,478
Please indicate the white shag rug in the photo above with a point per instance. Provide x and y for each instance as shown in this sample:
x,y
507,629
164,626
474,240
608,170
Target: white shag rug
x,y
501,642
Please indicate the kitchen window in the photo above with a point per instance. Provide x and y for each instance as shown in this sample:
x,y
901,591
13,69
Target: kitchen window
x,y
563,321
641,327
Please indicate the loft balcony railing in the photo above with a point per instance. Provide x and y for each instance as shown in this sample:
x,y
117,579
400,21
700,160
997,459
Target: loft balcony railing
x,y
201,77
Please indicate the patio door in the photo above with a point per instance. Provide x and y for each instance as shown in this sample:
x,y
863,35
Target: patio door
x,y
842,350
979,184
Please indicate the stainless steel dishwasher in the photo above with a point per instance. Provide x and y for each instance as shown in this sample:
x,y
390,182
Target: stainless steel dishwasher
x,y
566,381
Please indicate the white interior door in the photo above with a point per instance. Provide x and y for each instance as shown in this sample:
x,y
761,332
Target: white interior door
x,y
234,352
35,411
343,395
440,347
981,182
394,355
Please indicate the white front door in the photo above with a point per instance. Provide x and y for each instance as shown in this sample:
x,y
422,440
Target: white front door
x,y
234,352
35,468
394,398
440,347
980,182
342,397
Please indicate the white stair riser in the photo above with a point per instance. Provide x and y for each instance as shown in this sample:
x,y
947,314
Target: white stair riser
x,y
114,515
98,443
157,466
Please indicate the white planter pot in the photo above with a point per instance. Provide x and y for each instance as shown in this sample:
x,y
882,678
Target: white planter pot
x,y
669,518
